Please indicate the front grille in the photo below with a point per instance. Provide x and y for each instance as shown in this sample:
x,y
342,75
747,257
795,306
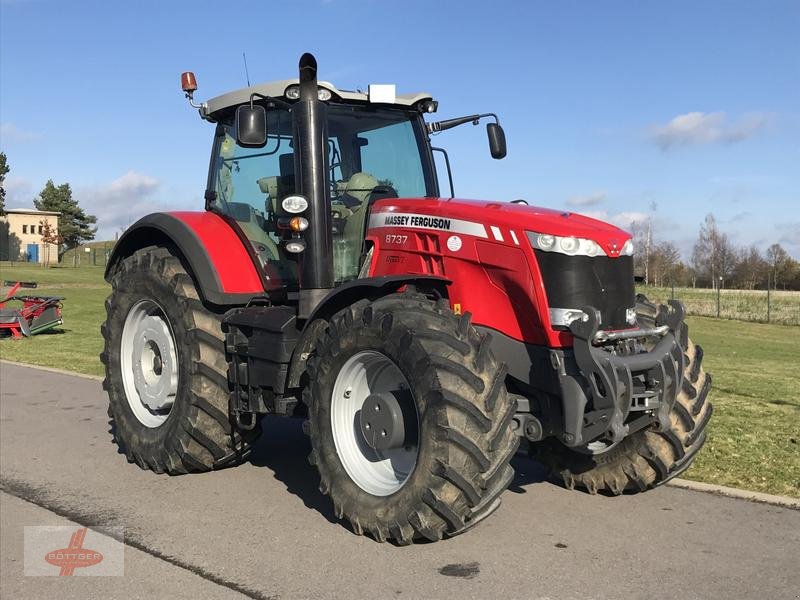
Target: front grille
x,y
577,281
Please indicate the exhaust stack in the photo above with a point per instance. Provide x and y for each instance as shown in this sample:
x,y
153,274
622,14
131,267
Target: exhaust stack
x,y
310,134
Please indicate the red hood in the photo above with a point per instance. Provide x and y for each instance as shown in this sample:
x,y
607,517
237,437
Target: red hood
x,y
512,216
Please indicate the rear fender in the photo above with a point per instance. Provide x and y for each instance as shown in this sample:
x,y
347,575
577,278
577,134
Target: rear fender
x,y
219,260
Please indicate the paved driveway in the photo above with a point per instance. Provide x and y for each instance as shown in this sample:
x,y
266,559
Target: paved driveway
x,y
263,530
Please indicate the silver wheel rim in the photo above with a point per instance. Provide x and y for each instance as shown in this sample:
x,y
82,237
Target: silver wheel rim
x,y
378,472
149,363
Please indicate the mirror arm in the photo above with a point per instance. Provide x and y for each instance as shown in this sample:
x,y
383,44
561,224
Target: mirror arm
x,y
275,101
450,123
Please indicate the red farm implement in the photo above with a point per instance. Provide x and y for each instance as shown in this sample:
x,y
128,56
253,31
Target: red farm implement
x,y
30,314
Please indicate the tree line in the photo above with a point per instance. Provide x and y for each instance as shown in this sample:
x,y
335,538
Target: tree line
x,y
715,261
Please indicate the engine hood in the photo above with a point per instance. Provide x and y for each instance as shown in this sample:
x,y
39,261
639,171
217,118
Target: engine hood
x,y
515,218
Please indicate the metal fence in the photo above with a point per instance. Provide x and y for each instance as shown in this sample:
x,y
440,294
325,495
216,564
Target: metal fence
x,y
94,255
762,306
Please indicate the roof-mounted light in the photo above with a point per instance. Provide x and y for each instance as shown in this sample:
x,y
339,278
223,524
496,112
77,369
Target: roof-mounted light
x,y
293,93
189,87
428,106
188,82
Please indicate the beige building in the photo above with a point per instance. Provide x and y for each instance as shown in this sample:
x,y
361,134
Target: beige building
x,y
21,235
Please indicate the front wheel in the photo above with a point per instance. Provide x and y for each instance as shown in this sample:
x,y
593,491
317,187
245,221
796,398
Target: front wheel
x,y
409,419
649,457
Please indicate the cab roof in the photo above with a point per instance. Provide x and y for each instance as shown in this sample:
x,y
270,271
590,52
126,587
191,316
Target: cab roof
x,y
276,89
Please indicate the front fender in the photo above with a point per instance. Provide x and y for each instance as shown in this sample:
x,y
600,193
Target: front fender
x,y
369,288
212,250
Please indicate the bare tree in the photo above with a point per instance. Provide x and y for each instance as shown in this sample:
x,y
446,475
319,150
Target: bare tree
x,y
713,255
751,268
778,260
664,260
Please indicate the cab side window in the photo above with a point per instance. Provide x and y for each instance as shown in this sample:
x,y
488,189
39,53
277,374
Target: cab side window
x,y
249,184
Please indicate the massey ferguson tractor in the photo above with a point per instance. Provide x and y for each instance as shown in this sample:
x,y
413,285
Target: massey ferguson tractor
x,y
421,337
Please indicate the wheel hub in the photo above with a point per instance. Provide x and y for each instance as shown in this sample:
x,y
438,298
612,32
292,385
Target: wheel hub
x,y
152,363
382,422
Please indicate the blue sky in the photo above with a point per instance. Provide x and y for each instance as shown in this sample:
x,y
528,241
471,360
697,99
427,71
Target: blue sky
x,y
612,109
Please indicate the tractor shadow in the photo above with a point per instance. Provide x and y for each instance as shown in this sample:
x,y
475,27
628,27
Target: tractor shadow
x,y
283,448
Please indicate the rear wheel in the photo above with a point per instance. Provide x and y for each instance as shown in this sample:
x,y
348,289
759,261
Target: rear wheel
x,y
648,457
409,419
166,373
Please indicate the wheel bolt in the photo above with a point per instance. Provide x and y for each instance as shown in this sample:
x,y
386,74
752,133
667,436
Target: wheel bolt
x,y
348,392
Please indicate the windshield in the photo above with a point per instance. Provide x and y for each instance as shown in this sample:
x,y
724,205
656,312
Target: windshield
x,y
373,153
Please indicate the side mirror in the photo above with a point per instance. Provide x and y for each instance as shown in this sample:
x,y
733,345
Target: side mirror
x,y
497,140
251,126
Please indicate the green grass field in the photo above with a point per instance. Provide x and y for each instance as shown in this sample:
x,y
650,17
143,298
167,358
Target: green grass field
x,y
77,344
746,305
754,436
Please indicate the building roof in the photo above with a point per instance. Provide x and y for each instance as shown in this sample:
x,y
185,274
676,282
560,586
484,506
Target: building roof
x,y
30,211
276,89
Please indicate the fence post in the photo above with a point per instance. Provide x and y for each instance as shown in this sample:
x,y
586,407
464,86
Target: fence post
x,y
767,298
718,295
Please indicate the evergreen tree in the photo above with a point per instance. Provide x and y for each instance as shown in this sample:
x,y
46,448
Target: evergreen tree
x,y
74,225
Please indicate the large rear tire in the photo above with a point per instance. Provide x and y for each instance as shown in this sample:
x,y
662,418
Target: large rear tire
x,y
648,457
166,373
450,474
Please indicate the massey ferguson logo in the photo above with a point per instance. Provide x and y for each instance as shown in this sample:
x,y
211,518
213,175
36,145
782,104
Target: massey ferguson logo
x,y
416,221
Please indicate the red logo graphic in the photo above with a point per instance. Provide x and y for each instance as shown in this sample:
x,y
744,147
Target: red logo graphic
x,y
75,555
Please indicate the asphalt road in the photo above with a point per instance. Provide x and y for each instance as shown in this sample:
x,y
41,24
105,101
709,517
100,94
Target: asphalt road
x,y
263,530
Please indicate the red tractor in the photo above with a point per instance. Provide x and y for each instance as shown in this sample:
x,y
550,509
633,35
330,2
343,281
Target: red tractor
x,y
423,338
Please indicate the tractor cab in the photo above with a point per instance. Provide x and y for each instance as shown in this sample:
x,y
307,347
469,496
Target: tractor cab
x,y
374,150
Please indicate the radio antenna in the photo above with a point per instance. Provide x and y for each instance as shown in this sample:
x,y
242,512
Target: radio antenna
x,y
246,74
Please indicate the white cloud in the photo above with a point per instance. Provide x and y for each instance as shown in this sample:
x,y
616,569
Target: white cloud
x,y
707,128
19,192
623,220
10,133
590,200
119,203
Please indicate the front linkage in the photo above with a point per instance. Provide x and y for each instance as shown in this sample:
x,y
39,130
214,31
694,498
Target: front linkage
x,y
621,378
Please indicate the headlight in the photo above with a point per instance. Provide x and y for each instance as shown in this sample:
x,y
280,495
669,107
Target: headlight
x,y
627,249
546,242
294,204
295,245
571,246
